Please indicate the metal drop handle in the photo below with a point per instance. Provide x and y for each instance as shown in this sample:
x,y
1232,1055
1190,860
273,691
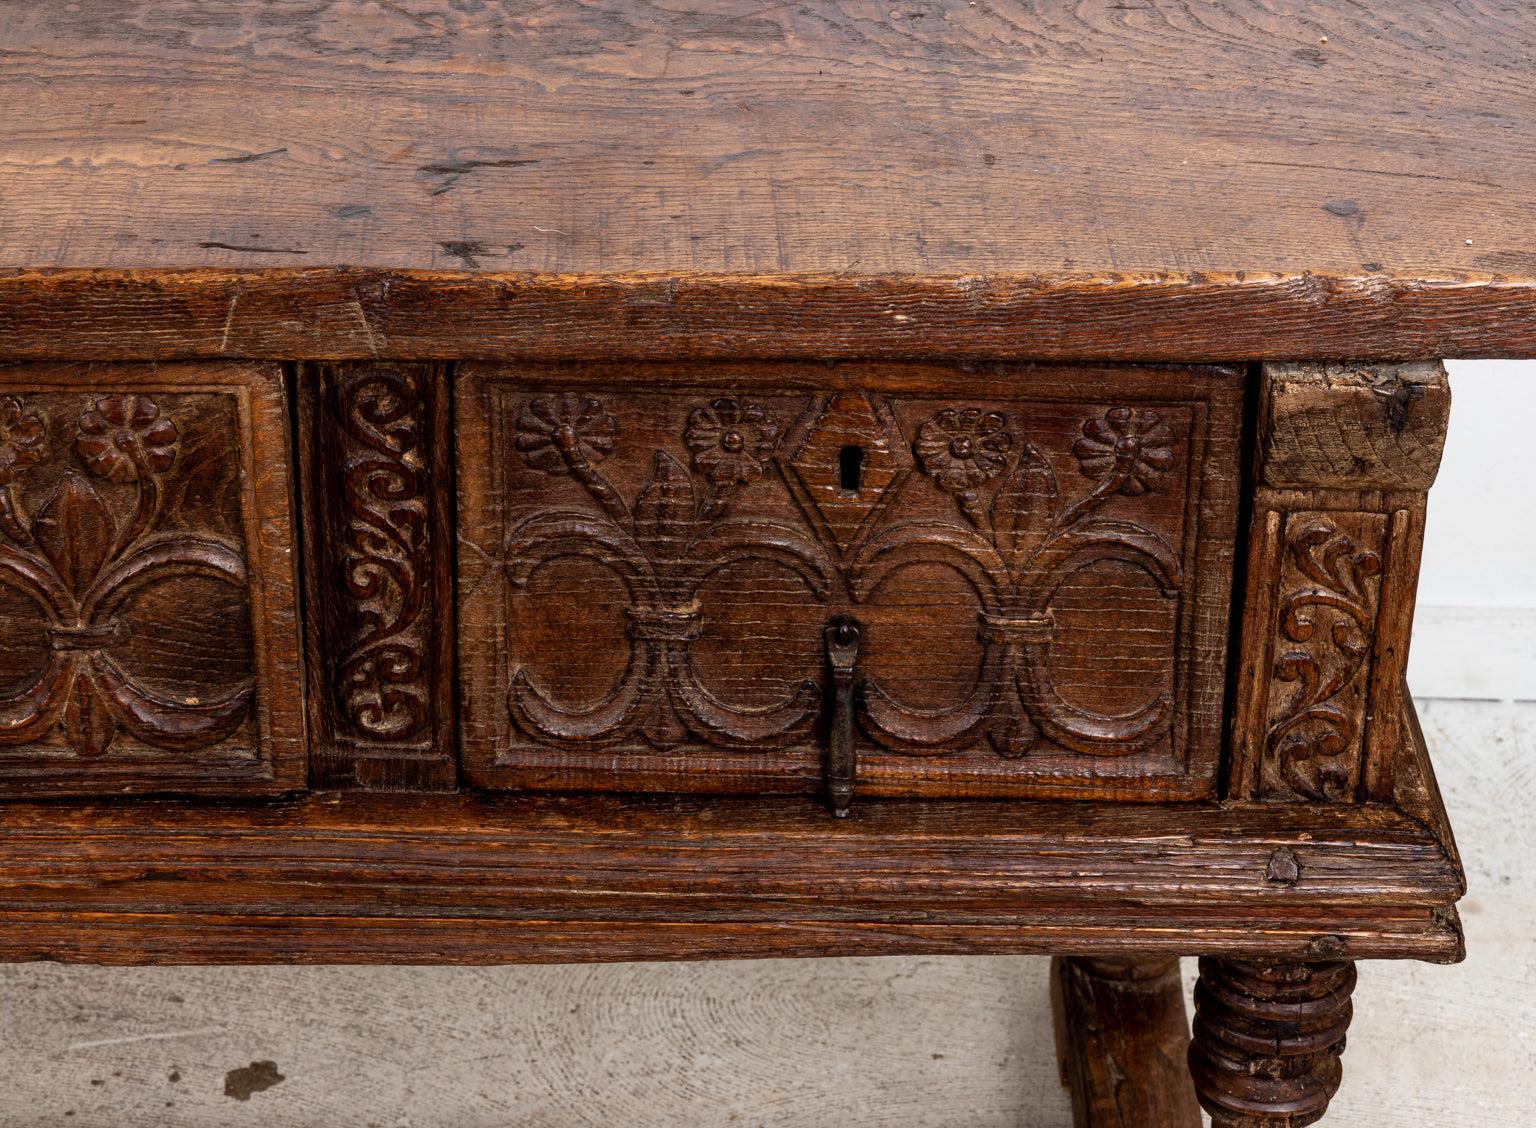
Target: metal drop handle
x,y
842,765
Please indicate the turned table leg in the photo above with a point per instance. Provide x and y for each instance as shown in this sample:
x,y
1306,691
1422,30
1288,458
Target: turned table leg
x,y
1121,1036
1267,1040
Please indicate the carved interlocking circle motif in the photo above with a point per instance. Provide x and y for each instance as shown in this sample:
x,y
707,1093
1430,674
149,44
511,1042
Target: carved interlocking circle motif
x,y
1020,535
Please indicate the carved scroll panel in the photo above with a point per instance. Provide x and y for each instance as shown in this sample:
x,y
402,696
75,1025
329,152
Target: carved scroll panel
x,y
148,637
1329,602
378,488
645,576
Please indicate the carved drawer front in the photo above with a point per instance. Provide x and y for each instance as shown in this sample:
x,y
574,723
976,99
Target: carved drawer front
x,y
656,563
148,637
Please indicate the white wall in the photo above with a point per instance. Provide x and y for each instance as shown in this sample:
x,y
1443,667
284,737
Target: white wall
x,y
1475,633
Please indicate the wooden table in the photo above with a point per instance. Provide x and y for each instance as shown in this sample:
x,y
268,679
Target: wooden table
x,y
489,485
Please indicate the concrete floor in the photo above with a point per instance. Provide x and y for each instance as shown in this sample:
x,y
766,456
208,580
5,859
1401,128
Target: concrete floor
x,y
917,1043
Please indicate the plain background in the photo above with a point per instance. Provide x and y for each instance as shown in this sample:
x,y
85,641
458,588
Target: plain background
x,y
909,1042
1475,631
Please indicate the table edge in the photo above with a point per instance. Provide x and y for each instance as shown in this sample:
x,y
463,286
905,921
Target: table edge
x,y
346,313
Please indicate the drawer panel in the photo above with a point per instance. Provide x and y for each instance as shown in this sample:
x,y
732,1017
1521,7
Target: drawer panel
x,y
1038,561
148,633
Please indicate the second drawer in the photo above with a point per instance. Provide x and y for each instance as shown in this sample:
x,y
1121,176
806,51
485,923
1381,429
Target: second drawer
x,y
1031,567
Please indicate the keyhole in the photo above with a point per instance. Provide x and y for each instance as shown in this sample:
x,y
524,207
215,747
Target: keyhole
x,y
850,468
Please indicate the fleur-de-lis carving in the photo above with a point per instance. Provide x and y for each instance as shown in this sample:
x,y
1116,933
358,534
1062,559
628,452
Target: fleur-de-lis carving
x,y
81,566
1017,553
674,538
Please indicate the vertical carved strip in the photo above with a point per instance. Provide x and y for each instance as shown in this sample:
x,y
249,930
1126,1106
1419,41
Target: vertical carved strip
x,y
1346,455
1329,591
380,586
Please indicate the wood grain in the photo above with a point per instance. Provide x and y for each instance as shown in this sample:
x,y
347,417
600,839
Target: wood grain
x,y
1121,1038
1043,580
149,635
945,139
1208,180
1349,426
349,313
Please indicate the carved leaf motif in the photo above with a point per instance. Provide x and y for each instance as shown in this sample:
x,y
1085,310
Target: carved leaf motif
x,y
381,678
1328,615
1024,508
75,531
180,725
206,487
88,723
35,711
664,510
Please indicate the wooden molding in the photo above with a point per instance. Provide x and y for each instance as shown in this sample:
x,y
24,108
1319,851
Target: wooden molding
x,y
535,878
353,313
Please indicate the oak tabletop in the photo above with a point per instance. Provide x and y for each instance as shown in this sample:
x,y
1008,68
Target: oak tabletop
x,y
1243,178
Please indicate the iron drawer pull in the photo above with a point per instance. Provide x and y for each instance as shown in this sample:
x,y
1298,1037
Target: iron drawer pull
x,y
842,765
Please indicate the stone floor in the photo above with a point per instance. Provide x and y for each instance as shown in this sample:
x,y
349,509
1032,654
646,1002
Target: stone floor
x,y
915,1043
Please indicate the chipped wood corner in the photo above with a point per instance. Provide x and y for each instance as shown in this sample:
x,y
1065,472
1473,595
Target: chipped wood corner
x,y
1353,426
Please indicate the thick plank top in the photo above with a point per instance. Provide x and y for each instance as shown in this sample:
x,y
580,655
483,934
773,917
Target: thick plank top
x,y
1308,176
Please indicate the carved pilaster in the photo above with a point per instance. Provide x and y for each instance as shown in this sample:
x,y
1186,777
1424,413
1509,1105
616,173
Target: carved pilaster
x,y
1267,1040
1345,457
378,569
